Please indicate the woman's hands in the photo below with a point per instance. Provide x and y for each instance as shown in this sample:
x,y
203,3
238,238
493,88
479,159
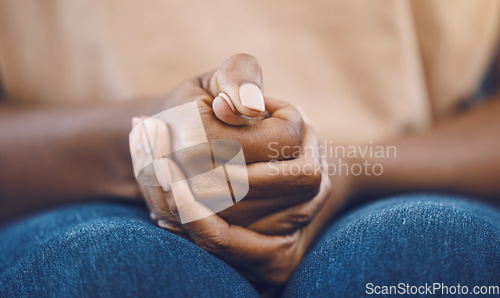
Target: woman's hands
x,y
281,134
286,186
267,251
264,258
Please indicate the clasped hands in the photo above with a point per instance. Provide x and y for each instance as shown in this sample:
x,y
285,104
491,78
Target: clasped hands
x,y
266,234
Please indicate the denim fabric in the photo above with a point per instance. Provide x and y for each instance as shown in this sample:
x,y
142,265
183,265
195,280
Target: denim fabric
x,y
106,249
414,239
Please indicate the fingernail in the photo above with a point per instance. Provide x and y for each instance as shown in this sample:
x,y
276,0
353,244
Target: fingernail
x,y
162,173
163,224
227,99
150,141
157,136
251,97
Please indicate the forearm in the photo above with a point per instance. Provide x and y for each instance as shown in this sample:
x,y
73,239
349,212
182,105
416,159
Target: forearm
x,y
51,156
459,156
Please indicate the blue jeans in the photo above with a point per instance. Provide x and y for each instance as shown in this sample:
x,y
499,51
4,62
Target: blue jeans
x,y
112,249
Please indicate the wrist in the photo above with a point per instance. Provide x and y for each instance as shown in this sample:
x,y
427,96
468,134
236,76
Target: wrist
x,y
116,155
343,181
349,176
364,179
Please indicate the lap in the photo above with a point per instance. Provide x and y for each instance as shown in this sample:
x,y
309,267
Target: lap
x,y
106,249
413,239
113,249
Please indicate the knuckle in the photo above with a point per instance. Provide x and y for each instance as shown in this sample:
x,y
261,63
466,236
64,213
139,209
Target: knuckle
x,y
236,63
302,216
309,178
174,209
209,244
168,225
243,58
291,136
200,101
205,109
214,244
297,118
309,194
283,262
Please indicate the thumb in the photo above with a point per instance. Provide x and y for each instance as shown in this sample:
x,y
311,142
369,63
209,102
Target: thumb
x,y
237,87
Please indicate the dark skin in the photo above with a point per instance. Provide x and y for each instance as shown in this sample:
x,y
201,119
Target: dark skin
x,y
49,156
435,160
458,155
272,258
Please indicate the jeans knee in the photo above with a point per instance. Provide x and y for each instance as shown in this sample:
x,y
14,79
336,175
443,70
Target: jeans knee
x,y
113,251
404,239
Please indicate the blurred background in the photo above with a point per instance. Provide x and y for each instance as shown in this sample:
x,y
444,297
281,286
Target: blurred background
x,y
359,70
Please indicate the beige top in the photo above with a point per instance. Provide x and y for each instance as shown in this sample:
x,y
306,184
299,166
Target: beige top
x,y
360,70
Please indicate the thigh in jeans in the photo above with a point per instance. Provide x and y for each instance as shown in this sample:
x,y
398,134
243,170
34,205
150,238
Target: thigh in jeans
x,y
405,241
107,249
